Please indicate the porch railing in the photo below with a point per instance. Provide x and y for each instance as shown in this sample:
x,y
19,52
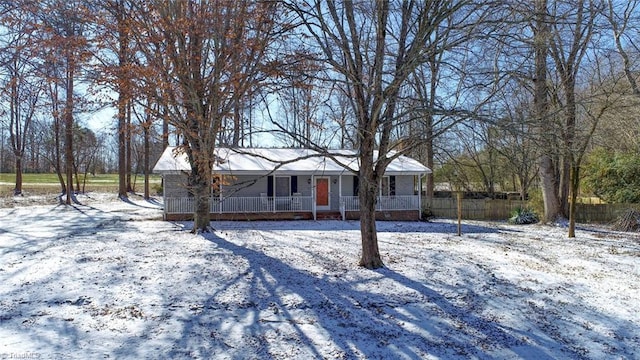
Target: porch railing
x,y
186,205
399,202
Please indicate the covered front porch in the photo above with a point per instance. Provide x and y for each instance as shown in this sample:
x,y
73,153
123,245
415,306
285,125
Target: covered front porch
x,y
400,207
278,184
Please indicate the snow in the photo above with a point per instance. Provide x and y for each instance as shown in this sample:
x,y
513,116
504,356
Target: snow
x,y
109,279
283,161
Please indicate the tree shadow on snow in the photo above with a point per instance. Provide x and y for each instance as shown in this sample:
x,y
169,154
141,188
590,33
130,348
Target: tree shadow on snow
x,y
279,311
437,226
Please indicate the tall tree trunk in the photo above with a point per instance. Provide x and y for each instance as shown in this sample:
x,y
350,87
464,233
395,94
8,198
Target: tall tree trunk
x,y
237,121
575,186
68,130
548,180
165,128
367,195
18,189
128,162
430,164
566,182
200,185
122,166
123,98
147,154
58,156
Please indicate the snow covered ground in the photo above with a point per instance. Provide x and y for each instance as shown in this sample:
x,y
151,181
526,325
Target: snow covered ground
x,y
109,279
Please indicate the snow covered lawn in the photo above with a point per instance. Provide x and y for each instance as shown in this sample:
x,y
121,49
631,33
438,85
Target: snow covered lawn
x,y
109,279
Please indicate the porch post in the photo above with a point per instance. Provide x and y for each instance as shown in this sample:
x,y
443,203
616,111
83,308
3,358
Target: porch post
x,y
340,203
419,196
164,198
313,197
274,193
220,196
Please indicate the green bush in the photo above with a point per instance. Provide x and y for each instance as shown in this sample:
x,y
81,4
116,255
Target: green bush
x,y
522,216
613,177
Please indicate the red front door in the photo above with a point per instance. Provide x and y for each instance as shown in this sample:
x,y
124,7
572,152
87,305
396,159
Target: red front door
x,y
322,192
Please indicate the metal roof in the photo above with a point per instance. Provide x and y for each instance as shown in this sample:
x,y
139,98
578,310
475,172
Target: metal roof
x,y
260,161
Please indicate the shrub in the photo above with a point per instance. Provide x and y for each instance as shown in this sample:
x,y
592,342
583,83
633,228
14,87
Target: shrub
x,y
614,177
426,214
523,216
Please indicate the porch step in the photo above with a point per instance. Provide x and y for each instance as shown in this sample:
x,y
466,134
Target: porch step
x,y
329,215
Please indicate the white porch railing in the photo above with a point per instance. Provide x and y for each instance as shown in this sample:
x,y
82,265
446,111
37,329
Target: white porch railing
x,y
399,202
186,205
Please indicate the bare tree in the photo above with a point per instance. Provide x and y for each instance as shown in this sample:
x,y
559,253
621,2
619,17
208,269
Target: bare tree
x,y
63,43
202,57
623,18
21,88
374,47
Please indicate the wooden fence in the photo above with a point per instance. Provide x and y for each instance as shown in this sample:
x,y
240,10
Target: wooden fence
x,y
487,209
473,209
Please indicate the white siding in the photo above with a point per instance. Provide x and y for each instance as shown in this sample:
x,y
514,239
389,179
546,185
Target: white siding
x,y
175,185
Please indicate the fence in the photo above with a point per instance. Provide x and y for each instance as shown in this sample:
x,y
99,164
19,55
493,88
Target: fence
x,y
473,209
487,209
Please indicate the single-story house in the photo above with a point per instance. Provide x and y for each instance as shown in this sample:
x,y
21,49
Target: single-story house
x,y
261,183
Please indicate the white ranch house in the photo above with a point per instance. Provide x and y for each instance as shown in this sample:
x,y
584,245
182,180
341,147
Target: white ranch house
x,y
260,183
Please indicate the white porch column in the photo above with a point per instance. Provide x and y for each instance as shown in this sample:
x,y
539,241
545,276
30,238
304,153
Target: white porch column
x,y
340,187
313,197
419,196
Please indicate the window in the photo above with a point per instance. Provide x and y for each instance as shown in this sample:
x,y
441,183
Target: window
x,y
216,185
283,186
388,186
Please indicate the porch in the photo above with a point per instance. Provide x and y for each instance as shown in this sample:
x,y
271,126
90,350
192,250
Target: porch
x,y
397,207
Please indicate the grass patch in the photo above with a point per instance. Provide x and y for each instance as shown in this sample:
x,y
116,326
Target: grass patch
x,y
48,183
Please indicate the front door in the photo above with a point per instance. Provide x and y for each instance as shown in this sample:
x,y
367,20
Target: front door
x,y
322,193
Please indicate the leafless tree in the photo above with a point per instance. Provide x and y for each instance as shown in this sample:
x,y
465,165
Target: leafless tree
x,y
202,58
373,48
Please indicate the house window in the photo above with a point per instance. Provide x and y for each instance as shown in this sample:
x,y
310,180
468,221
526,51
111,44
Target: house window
x,y
216,184
388,186
283,185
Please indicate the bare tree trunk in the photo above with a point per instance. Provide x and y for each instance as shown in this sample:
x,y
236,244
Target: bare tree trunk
x,y
147,154
123,98
57,155
200,180
122,167
548,178
165,128
128,161
237,119
68,130
575,186
430,164
370,258
18,189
